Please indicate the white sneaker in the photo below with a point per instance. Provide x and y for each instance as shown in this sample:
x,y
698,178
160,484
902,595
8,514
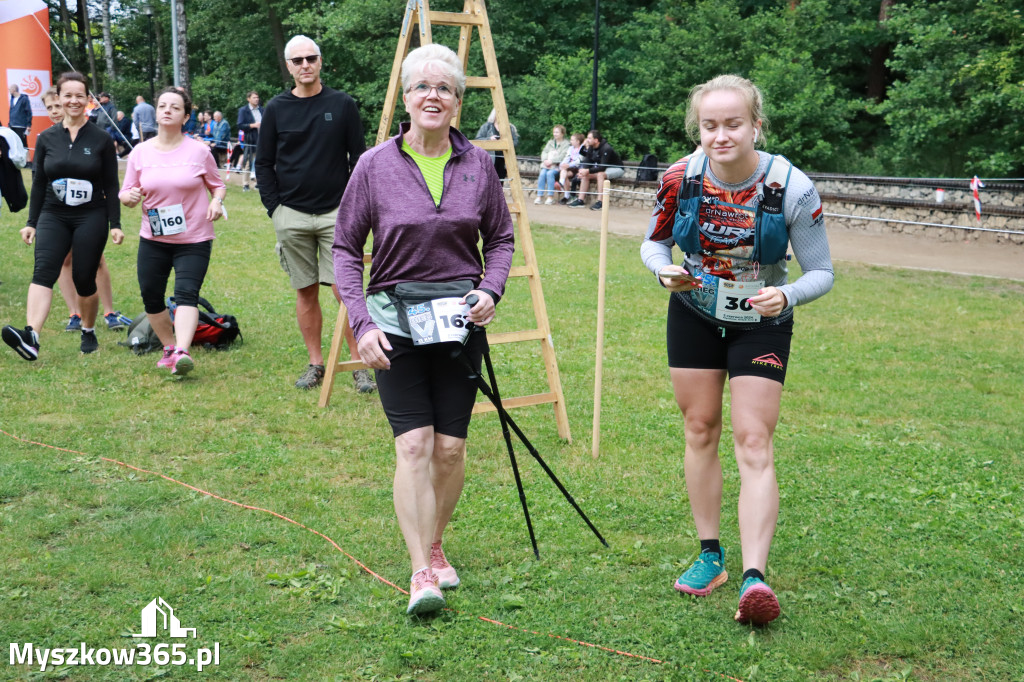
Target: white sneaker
x,y
537,200
550,201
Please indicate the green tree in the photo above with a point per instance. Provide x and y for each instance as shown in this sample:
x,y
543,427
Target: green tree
x,y
956,104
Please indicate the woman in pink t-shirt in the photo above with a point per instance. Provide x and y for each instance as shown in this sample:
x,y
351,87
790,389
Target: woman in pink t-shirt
x,y
173,177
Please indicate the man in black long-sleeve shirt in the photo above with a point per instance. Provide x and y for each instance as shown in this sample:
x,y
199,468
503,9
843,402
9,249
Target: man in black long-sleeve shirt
x,y
598,160
310,140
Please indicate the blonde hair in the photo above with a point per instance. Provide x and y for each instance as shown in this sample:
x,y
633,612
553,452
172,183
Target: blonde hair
x,y
417,60
750,93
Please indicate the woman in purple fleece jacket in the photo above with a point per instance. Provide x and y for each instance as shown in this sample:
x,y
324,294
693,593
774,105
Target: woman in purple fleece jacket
x,y
428,196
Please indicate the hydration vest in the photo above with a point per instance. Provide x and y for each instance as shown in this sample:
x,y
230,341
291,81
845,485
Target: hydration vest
x,y
771,236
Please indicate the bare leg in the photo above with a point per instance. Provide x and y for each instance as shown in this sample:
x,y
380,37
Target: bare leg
x,y
600,185
186,319
88,305
448,474
584,183
103,287
67,287
698,393
755,413
162,325
37,307
307,310
415,504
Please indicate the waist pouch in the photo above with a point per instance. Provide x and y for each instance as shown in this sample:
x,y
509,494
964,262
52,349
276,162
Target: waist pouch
x,y
429,311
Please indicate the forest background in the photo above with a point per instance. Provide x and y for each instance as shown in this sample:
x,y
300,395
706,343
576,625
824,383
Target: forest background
x,y
929,88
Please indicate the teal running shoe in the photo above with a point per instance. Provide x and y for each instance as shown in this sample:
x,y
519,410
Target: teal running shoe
x,y
758,604
706,573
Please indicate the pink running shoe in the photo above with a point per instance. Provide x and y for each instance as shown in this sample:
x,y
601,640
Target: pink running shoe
x,y
758,604
181,363
446,575
424,594
166,362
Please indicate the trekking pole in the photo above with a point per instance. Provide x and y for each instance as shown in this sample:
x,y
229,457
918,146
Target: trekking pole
x,y
503,414
472,300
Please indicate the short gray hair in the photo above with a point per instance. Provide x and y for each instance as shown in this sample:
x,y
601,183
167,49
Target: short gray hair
x,y
298,39
418,59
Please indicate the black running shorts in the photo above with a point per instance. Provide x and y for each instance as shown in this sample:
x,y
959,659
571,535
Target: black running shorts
x,y
694,343
426,386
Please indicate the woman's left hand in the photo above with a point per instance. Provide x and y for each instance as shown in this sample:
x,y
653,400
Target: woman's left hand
x,y
483,312
116,235
215,209
769,302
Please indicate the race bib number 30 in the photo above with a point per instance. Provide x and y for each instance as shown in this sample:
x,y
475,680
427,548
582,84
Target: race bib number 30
x,y
166,220
438,321
73,192
727,300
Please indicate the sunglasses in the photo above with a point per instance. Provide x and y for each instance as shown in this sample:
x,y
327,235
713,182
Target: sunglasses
x,y
311,59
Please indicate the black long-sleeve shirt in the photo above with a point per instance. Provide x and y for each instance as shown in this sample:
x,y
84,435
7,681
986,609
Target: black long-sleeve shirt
x,y
601,159
307,149
90,157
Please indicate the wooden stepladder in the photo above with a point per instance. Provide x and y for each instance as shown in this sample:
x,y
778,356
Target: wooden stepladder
x,y
473,15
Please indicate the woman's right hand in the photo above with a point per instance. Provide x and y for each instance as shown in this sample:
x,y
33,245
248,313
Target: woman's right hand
x,y
686,284
132,197
371,346
546,163
28,234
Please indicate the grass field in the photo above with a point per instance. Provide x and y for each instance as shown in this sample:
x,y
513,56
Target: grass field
x,y
899,456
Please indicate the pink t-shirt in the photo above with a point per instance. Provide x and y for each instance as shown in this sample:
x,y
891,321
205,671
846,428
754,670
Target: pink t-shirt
x,y
178,177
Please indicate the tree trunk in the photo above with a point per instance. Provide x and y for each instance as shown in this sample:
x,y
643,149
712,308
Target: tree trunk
x,y
277,33
877,72
65,22
108,41
158,68
85,40
183,44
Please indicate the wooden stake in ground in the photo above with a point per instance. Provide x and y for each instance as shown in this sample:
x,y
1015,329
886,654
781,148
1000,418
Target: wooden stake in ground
x,y
599,353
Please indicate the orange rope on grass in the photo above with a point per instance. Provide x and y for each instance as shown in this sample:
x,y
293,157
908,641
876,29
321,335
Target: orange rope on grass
x,y
338,547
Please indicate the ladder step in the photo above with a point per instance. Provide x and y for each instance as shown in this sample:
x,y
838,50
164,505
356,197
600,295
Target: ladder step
x,y
521,271
481,82
512,337
349,366
455,19
494,145
522,401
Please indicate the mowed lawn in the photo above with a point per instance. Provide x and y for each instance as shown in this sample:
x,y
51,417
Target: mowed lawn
x,y
899,457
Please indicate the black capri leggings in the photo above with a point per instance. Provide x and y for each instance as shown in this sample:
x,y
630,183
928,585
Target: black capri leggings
x,y
190,262
60,230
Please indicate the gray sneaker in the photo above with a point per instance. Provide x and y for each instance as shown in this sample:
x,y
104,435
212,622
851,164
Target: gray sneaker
x,y
311,378
364,383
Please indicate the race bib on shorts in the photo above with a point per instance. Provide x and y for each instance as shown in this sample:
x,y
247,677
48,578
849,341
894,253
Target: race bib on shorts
x,y
438,321
72,191
166,220
726,300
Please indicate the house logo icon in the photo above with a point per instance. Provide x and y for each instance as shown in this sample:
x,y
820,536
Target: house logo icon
x,y
158,614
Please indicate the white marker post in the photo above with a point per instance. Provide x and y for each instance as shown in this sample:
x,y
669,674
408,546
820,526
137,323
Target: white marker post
x,y
602,267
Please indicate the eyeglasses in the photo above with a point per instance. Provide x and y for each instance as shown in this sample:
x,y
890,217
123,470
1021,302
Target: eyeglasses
x,y
311,59
443,90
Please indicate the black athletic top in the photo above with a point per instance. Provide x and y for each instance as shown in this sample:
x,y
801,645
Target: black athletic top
x,y
90,157
307,148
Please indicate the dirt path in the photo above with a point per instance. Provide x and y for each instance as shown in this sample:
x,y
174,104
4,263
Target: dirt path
x,y
1005,261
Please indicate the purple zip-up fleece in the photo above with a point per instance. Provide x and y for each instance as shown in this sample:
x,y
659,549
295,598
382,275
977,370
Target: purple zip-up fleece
x,y
414,241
